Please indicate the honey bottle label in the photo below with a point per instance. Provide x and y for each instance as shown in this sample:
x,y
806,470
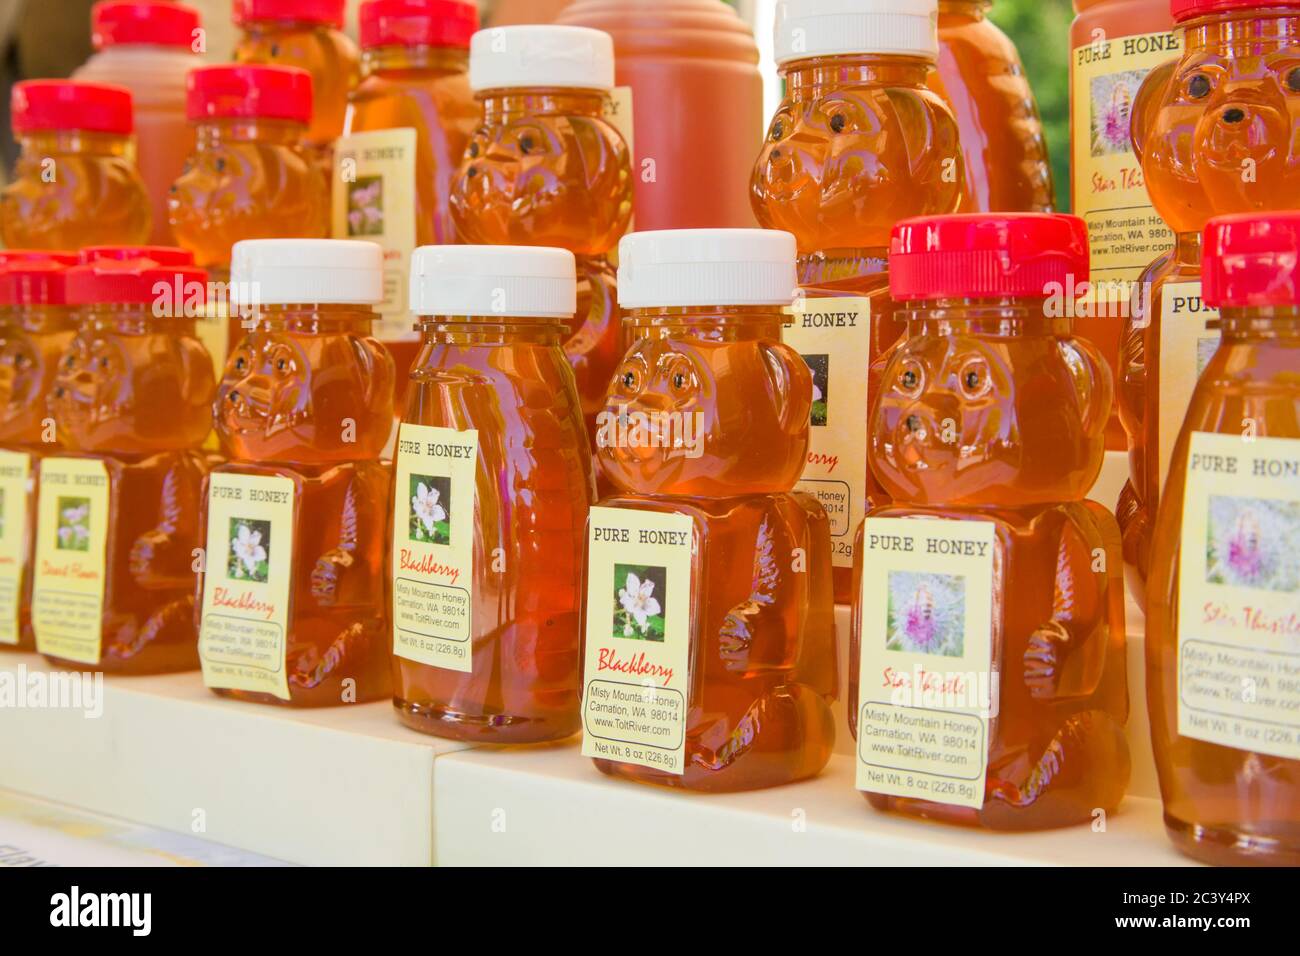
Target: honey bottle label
x,y
433,546
1239,594
247,583
1186,345
15,478
374,199
1108,189
834,337
72,521
636,660
927,684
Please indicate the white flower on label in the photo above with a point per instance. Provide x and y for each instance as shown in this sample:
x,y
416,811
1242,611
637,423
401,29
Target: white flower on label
x,y
817,392
248,550
637,598
426,507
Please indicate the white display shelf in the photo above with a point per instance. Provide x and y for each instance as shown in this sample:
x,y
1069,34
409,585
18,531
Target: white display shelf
x,y
342,785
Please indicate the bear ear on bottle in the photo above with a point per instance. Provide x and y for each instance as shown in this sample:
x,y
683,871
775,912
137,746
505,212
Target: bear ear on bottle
x,y
859,142
296,517
709,657
407,123
1214,130
493,483
1224,589
119,506
75,182
546,167
149,48
987,680
36,324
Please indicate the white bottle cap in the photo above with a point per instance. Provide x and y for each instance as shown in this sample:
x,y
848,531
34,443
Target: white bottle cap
x,y
294,271
505,57
806,28
529,281
679,267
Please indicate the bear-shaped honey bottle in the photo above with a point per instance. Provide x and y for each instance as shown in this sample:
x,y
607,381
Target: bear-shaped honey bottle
x,y
1215,133
118,512
292,601
859,142
709,643
75,182
36,324
1224,612
493,483
546,168
987,669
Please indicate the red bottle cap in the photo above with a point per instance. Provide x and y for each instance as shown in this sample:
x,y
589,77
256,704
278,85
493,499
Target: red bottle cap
x,y
136,275
986,255
65,104
259,92
113,22
418,23
33,276
1251,260
1187,9
328,12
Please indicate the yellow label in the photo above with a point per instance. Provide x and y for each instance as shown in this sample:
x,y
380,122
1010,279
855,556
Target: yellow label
x,y
834,337
433,546
1186,345
1239,594
15,487
927,678
1108,190
374,199
248,583
636,663
72,523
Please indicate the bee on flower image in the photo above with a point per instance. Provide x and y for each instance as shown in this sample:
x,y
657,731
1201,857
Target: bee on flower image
x,y
250,550
927,613
1252,543
640,595
366,207
73,525
430,521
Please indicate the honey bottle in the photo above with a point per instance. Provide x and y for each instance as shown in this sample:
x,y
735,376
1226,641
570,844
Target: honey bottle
x,y
1215,133
296,518
709,658
493,483
547,168
149,48
1001,135
249,176
1224,589
859,142
1113,45
36,324
118,513
75,183
407,124
307,34
987,661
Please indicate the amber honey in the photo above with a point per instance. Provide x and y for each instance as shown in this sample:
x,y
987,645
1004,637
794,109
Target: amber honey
x,y
133,390
506,378
994,411
75,183
546,168
1214,133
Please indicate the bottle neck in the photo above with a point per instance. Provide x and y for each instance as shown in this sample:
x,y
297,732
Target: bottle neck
x,y
441,60
311,319
492,330
43,319
44,143
1279,324
1262,29
817,76
504,106
718,323
1187,248
971,9
1000,317
212,133
133,318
